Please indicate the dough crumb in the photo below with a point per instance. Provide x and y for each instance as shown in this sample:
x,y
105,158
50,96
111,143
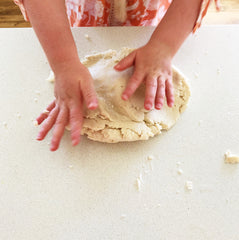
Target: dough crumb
x,y
189,185
51,77
141,177
4,124
37,92
70,166
180,171
231,158
19,115
177,192
158,205
138,184
87,36
35,123
150,157
35,100
123,216
218,71
179,163
196,75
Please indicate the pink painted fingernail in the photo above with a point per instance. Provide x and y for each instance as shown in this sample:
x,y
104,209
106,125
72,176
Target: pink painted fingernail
x,y
124,97
53,149
39,137
158,106
148,106
75,142
171,104
117,66
92,105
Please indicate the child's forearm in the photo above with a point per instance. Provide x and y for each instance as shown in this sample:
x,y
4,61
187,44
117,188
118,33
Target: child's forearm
x,y
49,20
177,24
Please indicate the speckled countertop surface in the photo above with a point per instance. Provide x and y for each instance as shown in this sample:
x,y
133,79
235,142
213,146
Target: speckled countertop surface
x,y
89,192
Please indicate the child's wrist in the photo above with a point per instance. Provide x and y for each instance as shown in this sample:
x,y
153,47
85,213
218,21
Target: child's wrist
x,y
64,64
169,49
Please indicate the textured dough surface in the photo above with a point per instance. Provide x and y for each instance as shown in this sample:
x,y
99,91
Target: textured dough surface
x,y
117,120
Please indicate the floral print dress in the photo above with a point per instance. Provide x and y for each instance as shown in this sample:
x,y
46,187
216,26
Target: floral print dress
x,y
103,12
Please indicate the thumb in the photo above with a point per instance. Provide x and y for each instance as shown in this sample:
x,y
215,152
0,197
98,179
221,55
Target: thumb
x,y
89,94
126,62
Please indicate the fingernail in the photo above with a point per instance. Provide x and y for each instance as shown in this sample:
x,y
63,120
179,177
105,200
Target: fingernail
x,y
158,106
75,142
148,106
124,97
92,105
38,137
53,149
170,104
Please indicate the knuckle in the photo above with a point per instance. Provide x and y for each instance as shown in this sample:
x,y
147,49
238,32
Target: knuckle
x,y
132,86
75,133
75,118
60,122
171,92
150,99
170,83
152,84
161,85
134,79
89,95
45,125
54,140
50,118
159,100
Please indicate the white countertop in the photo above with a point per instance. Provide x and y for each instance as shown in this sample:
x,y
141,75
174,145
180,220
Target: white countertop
x,y
88,192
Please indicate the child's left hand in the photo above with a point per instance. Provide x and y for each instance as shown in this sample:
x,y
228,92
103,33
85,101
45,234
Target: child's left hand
x,y
152,65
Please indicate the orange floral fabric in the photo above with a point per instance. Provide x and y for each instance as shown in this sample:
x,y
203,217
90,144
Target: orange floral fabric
x,y
86,13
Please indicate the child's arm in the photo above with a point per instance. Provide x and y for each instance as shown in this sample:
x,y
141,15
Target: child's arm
x,y
152,62
73,80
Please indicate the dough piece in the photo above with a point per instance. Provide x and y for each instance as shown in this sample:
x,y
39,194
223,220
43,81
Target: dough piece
x,y
189,185
117,120
231,158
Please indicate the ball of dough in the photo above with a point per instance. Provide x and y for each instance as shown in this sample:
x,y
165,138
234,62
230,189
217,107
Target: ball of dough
x,y
117,120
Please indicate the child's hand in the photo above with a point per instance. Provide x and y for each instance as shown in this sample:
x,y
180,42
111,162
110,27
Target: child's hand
x,y
152,65
73,86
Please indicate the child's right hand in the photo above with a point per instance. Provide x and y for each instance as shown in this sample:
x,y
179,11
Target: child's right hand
x,y
73,87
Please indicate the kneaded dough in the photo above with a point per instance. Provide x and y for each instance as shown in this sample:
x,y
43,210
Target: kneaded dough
x,y
117,120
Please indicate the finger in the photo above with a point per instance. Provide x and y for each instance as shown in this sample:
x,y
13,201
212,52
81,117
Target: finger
x,y
126,62
48,123
76,121
59,128
160,94
133,84
89,93
150,92
45,113
169,92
